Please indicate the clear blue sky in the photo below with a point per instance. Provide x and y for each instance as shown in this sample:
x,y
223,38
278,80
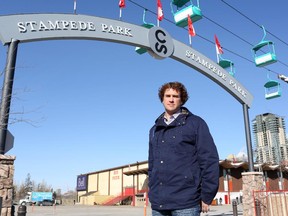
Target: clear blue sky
x,y
94,102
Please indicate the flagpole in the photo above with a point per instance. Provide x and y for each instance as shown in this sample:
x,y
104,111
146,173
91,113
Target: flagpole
x,y
75,5
120,14
217,55
190,41
121,5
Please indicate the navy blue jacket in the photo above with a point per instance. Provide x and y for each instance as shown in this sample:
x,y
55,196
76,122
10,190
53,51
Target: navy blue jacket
x,y
183,163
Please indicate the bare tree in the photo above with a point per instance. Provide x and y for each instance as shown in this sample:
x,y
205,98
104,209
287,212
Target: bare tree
x,y
44,187
20,191
28,185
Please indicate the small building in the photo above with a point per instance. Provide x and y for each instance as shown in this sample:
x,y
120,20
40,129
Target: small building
x,y
128,184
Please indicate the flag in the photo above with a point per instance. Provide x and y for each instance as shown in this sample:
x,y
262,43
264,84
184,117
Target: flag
x,y
219,49
121,3
160,14
190,27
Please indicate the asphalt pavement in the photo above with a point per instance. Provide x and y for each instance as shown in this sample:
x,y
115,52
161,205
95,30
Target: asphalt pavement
x,y
82,210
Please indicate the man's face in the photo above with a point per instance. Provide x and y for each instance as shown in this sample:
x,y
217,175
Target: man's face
x,y
171,101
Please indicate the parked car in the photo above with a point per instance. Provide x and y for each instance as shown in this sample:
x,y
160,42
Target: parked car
x,y
47,202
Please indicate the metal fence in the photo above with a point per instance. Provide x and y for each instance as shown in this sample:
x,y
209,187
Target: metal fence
x,y
271,203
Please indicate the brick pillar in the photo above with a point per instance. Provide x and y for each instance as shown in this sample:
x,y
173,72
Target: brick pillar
x,y
252,181
6,183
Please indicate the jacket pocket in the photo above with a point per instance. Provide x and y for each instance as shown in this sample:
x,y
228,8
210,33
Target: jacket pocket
x,y
186,142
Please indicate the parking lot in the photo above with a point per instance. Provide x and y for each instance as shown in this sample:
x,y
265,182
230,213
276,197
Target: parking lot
x,y
81,210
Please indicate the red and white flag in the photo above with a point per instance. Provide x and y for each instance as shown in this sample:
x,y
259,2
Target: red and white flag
x,y
121,3
219,49
190,27
160,14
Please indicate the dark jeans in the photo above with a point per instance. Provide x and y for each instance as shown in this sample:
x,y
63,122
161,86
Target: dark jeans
x,y
195,211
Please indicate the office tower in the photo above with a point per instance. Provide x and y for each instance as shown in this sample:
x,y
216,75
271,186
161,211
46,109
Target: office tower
x,y
270,140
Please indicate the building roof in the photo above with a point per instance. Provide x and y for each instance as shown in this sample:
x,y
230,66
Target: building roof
x,y
136,172
227,164
257,166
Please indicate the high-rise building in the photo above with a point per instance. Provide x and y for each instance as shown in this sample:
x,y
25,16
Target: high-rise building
x,y
271,145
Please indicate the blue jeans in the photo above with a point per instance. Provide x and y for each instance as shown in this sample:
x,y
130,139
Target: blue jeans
x,y
195,211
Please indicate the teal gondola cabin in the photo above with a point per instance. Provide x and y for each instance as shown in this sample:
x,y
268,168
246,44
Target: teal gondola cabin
x,y
267,56
272,89
181,15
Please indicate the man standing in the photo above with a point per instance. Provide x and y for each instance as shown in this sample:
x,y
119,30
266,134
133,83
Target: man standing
x,y
183,159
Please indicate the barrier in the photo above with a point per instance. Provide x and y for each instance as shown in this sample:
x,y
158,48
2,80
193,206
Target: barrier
x,y
269,203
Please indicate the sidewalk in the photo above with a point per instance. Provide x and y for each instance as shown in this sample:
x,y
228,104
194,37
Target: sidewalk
x,y
223,210
82,210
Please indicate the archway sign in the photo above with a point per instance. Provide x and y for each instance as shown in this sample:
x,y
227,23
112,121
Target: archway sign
x,y
23,28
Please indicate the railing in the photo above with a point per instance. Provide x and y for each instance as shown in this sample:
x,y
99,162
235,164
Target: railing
x,y
271,203
116,200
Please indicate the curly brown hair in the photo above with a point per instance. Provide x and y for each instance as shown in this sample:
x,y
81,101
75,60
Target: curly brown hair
x,y
179,87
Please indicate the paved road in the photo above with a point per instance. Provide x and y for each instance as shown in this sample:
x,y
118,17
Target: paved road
x,y
81,210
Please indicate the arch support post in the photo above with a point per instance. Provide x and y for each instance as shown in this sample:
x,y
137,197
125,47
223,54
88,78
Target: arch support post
x,y
7,92
248,137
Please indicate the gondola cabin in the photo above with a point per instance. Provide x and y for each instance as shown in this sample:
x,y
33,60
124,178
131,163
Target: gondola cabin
x,y
180,3
228,65
272,89
142,50
267,55
181,15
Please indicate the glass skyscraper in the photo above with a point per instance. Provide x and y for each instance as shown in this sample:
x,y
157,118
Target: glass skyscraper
x,y
271,145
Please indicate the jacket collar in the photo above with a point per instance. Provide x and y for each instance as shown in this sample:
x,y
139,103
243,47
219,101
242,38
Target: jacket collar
x,y
179,120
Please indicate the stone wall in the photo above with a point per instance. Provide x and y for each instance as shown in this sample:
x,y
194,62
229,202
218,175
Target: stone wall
x,y
6,183
252,181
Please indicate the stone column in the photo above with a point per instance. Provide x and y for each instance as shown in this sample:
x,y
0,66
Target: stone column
x,y
6,183
252,181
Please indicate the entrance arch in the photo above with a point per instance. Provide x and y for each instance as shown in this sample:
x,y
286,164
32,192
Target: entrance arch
x,y
38,27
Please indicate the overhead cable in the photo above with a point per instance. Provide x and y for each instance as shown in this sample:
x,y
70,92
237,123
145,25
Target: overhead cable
x,y
254,22
212,42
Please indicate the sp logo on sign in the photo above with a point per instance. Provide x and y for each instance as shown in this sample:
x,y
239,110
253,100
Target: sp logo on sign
x,y
160,43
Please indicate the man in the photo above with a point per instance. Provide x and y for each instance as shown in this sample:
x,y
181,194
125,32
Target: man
x,y
183,159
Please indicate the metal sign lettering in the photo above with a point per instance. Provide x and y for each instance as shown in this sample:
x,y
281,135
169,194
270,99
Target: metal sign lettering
x,y
37,27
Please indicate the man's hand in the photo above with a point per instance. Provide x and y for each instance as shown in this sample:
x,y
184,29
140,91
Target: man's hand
x,y
205,207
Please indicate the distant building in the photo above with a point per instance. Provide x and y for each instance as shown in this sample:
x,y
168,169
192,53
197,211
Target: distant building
x,y
128,184
271,145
